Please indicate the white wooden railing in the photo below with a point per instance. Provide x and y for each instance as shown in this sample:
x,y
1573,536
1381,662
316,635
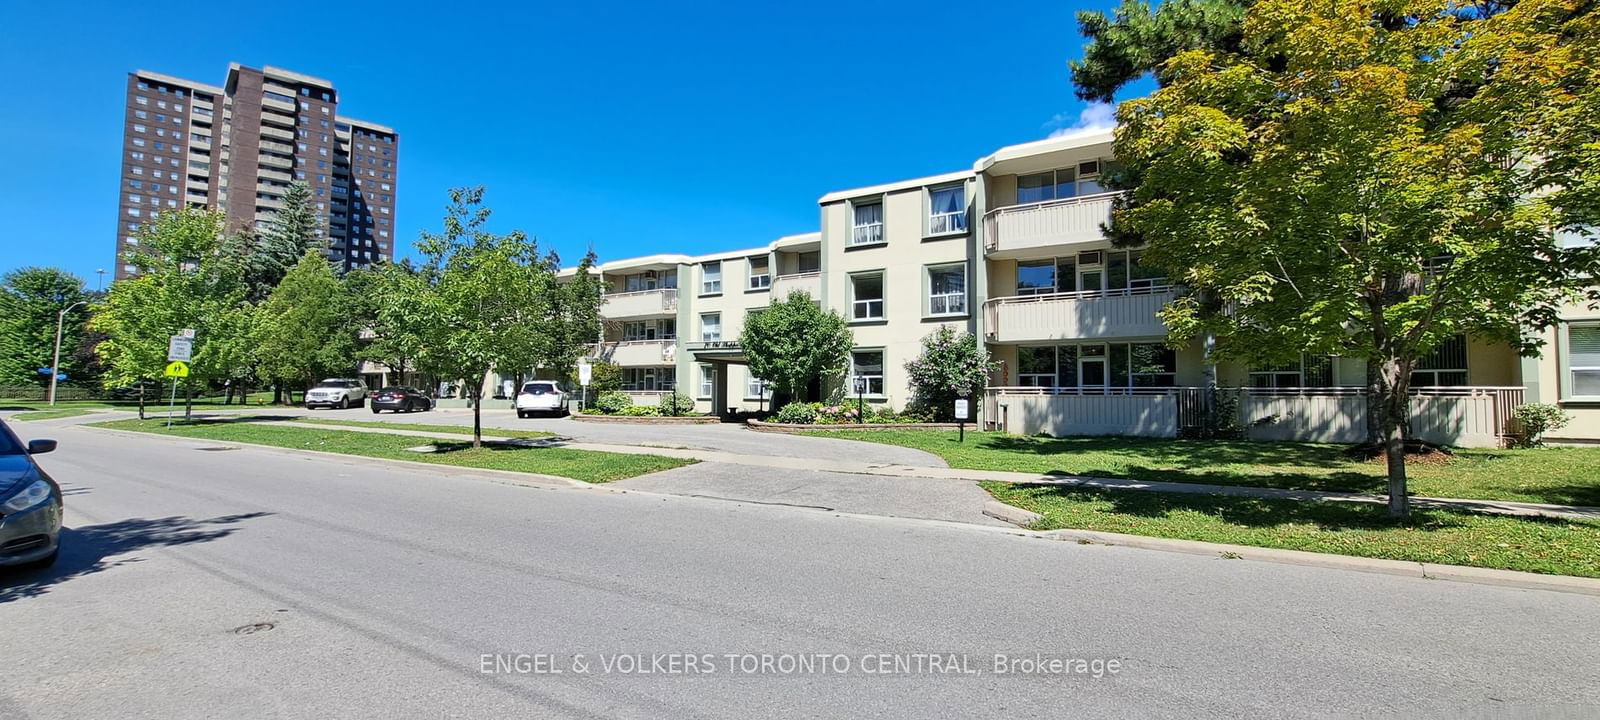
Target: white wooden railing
x,y
1126,312
1052,222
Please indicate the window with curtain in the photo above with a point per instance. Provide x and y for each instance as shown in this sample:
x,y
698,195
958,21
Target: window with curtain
x,y
708,381
760,278
754,387
711,327
947,289
711,278
1583,357
810,261
868,224
947,210
866,372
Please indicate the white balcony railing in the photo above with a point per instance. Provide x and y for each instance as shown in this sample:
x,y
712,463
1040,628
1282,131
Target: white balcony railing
x,y
947,223
635,353
1087,314
661,301
1044,224
807,282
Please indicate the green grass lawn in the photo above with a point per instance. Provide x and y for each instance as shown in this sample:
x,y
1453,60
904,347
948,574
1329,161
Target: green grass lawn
x,y
1434,536
585,465
59,412
1569,476
457,429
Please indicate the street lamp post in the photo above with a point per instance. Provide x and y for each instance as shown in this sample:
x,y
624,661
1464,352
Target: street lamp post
x,y
55,360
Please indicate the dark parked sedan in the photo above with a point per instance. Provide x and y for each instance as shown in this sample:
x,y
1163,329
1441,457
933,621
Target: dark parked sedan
x,y
30,504
400,398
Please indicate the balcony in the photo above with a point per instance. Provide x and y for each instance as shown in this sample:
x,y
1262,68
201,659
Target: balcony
x,y
1093,314
277,133
806,282
636,353
663,301
1020,228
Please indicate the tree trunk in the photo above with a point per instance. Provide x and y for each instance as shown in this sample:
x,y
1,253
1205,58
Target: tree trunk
x,y
1375,436
1393,403
141,399
188,402
477,418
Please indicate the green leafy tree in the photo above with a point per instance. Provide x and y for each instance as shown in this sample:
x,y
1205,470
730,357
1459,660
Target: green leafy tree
x,y
302,332
183,282
397,294
492,301
951,365
30,300
603,377
1368,179
793,341
1138,39
270,253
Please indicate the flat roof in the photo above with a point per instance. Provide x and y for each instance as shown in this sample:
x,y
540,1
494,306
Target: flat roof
x,y
894,186
170,80
647,261
1068,141
368,125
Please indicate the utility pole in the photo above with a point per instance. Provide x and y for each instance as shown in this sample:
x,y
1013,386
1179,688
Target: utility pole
x,y
55,361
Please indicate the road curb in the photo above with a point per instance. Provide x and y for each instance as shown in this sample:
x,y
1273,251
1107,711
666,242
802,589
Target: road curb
x,y
1011,514
1402,568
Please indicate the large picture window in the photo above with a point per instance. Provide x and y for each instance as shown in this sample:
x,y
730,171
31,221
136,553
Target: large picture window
x,y
1309,371
1095,367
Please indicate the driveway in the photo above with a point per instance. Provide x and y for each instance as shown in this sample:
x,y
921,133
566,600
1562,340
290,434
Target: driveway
x,y
722,437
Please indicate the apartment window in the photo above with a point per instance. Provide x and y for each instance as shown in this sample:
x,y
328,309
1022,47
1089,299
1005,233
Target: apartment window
x,y
1036,277
708,381
138,142
754,387
134,212
866,296
142,100
1583,358
711,278
810,262
867,223
138,128
667,329
760,278
1308,371
637,330
947,210
947,289
1124,271
1036,366
1060,184
711,327
1446,366
866,372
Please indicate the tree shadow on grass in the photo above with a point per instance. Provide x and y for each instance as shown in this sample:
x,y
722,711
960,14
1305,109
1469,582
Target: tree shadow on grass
x,y
89,549
1196,461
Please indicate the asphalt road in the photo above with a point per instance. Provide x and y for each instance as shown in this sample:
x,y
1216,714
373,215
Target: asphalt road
x,y
384,588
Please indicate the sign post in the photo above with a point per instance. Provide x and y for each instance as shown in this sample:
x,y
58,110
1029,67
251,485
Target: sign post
x,y
180,348
585,374
963,409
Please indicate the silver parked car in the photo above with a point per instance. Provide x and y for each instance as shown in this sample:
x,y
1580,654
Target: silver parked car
x,y
30,504
337,393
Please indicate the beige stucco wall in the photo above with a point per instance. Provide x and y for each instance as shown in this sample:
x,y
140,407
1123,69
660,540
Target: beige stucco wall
x,y
902,259
1553,381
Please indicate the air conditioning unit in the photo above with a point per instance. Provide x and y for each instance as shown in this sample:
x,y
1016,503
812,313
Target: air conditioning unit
x,y
1093,257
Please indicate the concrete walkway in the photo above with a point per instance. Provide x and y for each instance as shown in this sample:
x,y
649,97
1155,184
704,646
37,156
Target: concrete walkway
x,y
830,465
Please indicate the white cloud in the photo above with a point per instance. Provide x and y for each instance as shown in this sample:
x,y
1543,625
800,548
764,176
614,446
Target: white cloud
x,y
1094,117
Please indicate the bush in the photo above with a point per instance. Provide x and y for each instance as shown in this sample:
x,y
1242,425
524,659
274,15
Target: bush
x,y
684,405
1537,419
613,402
797,413
641,411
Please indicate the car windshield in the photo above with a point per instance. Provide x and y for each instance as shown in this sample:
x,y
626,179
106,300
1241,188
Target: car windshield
x,y
336,384
539,389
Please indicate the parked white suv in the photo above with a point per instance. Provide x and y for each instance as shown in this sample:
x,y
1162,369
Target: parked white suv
x,y
337,393
541,396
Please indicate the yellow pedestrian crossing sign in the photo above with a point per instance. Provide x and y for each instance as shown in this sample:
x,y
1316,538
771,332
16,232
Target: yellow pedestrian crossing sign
x,y
178,369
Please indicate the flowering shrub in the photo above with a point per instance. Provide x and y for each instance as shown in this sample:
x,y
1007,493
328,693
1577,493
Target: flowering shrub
x,y
797,413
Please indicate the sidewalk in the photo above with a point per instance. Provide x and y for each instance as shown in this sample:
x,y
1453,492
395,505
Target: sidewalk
x,y
1522,509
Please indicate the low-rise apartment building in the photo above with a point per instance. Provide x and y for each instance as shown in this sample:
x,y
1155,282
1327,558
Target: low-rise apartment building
x,y
1012,251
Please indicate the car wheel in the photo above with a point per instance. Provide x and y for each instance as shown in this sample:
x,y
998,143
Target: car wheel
x,y
344,402
45,561
374,409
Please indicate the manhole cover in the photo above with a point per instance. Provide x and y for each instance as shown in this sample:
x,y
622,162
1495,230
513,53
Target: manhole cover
x,y
253,628
216,449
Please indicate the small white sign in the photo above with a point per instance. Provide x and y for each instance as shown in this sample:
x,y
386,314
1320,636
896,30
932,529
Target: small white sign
x,y
585,372
186,333
180,349
963,407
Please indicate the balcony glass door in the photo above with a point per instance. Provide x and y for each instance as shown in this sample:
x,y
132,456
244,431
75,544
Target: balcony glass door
x,y
1091,281
1092,367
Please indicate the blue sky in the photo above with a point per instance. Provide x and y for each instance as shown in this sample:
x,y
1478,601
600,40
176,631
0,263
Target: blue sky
x,y
690,127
